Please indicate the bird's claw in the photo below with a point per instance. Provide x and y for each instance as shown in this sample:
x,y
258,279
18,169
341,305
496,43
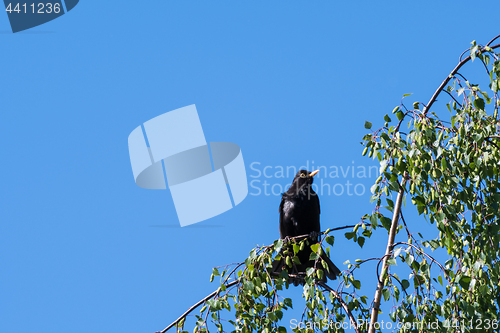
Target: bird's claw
x,y
286,239
315,235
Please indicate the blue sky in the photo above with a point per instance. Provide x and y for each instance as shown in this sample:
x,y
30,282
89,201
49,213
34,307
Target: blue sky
x,y
83,249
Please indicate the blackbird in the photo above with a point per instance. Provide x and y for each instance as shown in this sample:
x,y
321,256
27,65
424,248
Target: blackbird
x,y
299,215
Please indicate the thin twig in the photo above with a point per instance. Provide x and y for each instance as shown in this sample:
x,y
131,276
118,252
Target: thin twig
x,y
343,304
324,232
200,302
446,91
204,300
453,72
428,256
491,41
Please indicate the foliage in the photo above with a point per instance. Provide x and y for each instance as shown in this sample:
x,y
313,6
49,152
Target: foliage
x,y
452,169
449,167
255,300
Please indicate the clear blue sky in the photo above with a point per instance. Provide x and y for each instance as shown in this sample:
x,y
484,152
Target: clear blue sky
x,y
82,248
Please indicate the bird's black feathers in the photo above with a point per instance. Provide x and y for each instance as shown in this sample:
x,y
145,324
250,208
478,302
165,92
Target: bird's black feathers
x,y
299,209
299,215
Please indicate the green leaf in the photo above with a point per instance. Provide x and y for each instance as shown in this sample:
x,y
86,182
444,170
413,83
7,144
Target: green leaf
x,y
356,284
465,281
386,222
368,125
400,115
387,118
349,235
394,186
444,165
486,97
313,256
440,216
361,241
418,280
434,244
406,95
409,259
479,103
330,239
296,260
315,247
453,120
396,293
386,294
248,285
390,203
391,261
473,51
278,244
405,284
320,274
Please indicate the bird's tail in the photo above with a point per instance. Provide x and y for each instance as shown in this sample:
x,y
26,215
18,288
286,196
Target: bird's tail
x,y
332,272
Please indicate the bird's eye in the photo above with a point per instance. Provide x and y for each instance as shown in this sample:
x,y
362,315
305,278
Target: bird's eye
x,y
302,175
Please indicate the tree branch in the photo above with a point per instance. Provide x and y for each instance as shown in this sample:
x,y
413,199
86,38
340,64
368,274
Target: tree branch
x,y
344,306
453,72
321,232
184,315
390,245
491,41
200,302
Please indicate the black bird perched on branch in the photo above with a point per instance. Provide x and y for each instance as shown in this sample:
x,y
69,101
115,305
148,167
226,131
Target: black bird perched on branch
x,y
299,215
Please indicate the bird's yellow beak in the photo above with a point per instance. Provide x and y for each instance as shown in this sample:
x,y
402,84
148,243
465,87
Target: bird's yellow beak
x,y
313,173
